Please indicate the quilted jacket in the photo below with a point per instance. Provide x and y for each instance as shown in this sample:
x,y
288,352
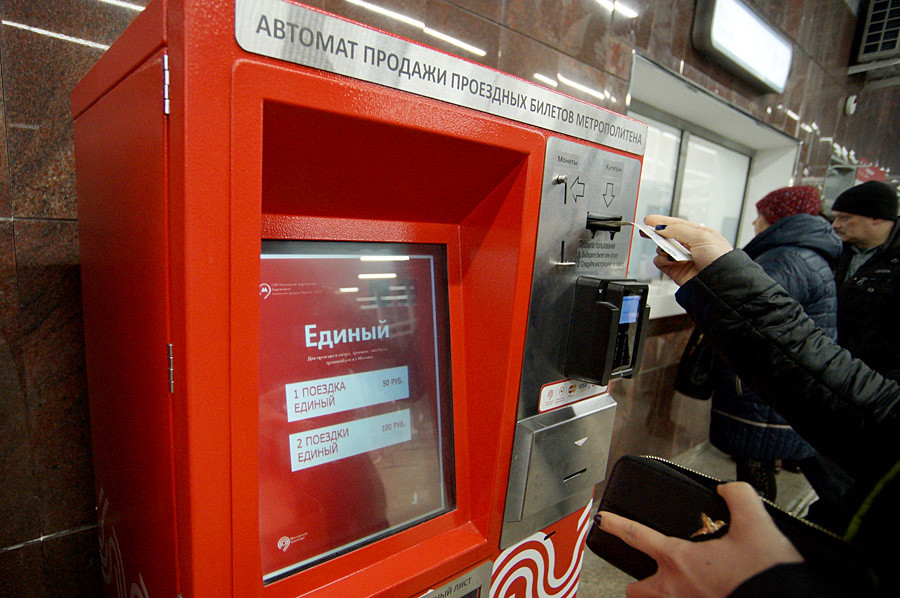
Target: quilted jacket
x,y
797,252
847,411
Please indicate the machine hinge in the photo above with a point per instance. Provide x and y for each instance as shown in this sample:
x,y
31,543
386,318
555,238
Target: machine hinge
x,y
165,64
171,370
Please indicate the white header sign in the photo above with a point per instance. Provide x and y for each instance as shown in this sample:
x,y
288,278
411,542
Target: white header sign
x,y
301,35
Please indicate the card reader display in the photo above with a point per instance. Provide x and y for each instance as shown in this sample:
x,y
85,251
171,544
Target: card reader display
x,y
626,334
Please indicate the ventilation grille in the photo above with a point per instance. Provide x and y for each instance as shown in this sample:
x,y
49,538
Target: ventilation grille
x,y
882,30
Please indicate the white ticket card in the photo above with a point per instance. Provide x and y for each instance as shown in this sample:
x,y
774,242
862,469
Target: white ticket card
x,y
672,247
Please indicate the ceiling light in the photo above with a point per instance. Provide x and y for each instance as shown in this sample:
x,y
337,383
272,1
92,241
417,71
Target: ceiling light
x,y
580,87
377,276
388,13
732,33
625,11
384,258
454,41
127,5
615,6
545,79
419,25
54,35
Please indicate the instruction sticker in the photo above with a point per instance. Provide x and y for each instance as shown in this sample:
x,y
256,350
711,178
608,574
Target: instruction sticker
x,y
565,392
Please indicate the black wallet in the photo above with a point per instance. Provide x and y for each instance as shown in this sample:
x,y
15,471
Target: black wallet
x,y
680,502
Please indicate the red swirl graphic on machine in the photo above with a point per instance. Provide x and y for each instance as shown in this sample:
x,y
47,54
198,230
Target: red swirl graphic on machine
x,y
530,568
111,557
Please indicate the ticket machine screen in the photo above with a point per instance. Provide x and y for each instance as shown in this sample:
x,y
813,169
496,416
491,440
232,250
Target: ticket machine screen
x,y
355,430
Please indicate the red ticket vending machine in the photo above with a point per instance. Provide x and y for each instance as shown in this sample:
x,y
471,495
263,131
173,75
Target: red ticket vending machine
x,y
350,304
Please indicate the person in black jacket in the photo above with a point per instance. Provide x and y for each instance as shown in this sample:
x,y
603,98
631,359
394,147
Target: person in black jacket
x,y
868,275
846,410
796,247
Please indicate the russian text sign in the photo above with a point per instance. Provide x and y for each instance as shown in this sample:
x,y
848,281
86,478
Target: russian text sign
x,y
301,35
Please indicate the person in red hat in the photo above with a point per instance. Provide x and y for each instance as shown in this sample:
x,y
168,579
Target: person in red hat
x,y
796,247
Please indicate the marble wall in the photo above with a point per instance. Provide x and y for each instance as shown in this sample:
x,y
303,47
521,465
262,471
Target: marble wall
x,y
47,516
48,536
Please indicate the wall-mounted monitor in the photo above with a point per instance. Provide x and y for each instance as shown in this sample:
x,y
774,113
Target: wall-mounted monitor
x,y
735,36
355,430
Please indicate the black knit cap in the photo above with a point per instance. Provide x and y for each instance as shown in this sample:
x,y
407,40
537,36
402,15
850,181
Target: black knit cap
x,y
872,198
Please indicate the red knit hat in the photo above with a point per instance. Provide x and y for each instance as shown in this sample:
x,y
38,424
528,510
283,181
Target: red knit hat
x,y
788,201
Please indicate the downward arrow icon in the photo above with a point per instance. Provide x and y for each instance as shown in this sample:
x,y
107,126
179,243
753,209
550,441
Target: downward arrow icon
x,y
610,190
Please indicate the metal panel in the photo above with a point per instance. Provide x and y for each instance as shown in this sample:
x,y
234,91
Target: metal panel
x,y
559,453
546,477
123,206
577,179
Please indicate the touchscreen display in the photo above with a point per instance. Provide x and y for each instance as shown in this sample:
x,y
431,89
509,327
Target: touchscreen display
x,y
355,431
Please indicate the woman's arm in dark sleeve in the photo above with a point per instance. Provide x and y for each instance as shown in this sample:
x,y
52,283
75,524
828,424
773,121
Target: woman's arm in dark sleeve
x,y
842,407
795,580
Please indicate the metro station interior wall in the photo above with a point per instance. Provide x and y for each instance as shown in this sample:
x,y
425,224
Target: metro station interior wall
x,y
768,170
48,540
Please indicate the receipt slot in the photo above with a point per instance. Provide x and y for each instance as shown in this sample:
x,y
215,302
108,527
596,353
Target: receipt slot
x,y
324,273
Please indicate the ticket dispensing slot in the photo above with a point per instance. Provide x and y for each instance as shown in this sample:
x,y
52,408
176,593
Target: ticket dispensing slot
x,y
600,222
562,453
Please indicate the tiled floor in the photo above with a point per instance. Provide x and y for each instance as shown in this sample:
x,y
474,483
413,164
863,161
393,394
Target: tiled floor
x,y
601,580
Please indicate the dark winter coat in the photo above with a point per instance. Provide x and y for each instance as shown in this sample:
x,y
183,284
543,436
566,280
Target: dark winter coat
x,y
849,412
797,252
869,307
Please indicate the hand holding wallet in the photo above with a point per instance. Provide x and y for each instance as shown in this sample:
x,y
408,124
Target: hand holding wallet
x,y
682,503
